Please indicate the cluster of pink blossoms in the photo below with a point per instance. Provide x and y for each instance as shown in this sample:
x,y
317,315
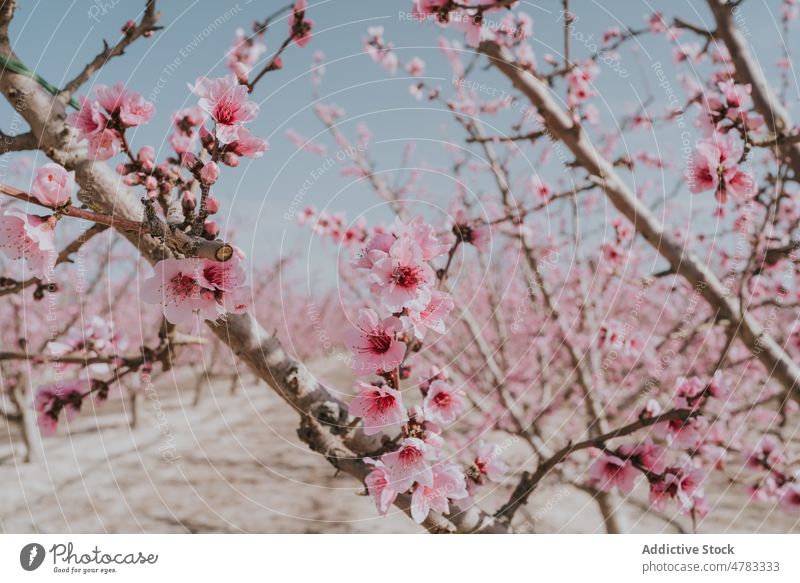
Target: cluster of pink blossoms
x,y
245,53
193,289
725,119
102,121
777,481
53,399
32,237
197,289
670,469
404,283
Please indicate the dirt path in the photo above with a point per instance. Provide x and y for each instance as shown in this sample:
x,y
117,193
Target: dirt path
x,y
234,464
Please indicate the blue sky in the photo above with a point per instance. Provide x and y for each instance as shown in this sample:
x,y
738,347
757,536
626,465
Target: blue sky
x,y
57,38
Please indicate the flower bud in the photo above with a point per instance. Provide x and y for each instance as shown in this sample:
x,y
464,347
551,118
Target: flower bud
x,y
230,159
210,172
211,228
212,205
189,200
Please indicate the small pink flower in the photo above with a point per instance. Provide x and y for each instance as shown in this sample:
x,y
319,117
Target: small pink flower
x,y
408,464
424,8
377,248
489,463
423,235
683,434
790,499
416,67
715,167
29,237
88,120
609,472
196,288
374,344
135,110
443,403
380,407
475,233
299,26
248,145
244,54
110,98
379,488
50,400
105,144
431,316
53,185
449,483
766,454
681,484
647,454
402,278
225,100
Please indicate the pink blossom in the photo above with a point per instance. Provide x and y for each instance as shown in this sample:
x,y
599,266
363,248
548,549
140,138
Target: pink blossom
x,y
766,454
790,499
53,185
416,67
374,343
378,486
683,434
432,316
248,145
88,120
682,484
110,98
29,237
609,472
377,248
476,233
408,464
244,53
300,26
193,288
423,235
225,100
449,483
50,400
380,407
443,403
647,454
402,278
489,463
424,8
131,108
715,167
105,144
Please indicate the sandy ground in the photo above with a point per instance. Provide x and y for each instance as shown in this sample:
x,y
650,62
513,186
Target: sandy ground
x,y
234,464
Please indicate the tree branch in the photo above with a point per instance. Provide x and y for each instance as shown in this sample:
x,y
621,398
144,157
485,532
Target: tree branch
x,y
529,482
777,362
17,143
145,27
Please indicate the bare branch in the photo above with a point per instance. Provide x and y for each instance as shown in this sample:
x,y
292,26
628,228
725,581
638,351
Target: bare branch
x,y
17,143
145,27
529,482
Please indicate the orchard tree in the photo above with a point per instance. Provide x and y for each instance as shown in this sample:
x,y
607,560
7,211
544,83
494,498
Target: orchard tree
x,y
645,351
